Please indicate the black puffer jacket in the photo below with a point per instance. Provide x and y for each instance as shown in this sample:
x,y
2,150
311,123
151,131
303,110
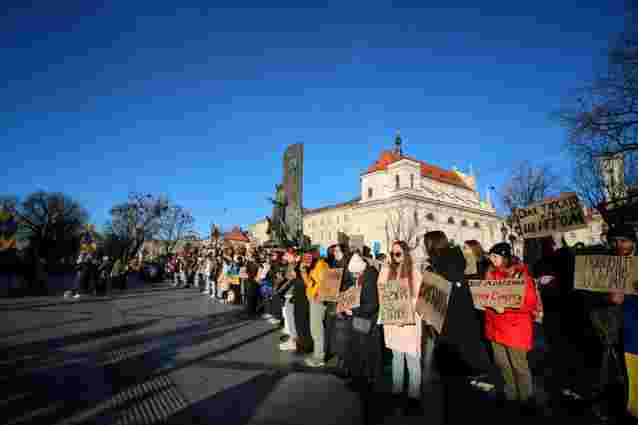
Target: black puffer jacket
x,y
459,350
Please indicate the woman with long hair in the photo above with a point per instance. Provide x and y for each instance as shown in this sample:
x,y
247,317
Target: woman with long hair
x,y
404,341
338,329
457,353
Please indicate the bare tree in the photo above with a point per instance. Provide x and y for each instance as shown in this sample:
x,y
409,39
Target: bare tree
x,y
136,221
602,117
51,221
402,224
176,223
528,183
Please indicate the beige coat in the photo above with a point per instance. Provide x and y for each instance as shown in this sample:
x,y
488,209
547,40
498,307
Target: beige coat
x,y
405,339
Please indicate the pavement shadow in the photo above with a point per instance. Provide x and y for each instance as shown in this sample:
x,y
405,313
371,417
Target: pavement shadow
x,y
42,347
234,406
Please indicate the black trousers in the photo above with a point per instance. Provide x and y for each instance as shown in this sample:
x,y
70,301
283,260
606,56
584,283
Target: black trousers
x,y
251,297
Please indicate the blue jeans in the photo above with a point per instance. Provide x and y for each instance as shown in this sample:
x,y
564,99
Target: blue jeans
x,y
413,362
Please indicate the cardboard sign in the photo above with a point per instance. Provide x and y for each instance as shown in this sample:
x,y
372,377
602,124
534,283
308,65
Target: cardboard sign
x,y
349,299
507,293
557,215
470,262
330,284
395,303
433,300
607,273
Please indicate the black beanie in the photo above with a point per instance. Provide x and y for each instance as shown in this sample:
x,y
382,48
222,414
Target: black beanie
x,y
503,249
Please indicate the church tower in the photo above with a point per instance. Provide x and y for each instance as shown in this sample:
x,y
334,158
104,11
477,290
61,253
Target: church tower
x,y
398,149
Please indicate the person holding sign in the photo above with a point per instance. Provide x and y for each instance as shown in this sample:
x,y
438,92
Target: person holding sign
x,y
365,354
312,277
338,328
511,330
404,341
459,350
614,317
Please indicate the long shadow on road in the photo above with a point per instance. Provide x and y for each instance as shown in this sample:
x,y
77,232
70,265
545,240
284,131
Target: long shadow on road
x,y
71,388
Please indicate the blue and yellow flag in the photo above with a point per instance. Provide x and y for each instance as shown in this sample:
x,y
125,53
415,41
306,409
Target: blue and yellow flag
x,y
8,230
87,240
630,307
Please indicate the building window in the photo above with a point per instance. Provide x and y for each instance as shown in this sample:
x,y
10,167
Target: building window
x,y
411,181
321,235
477,225
430,216
464,223
396,181
337,219
369,192
450,220
345,218
416,218
322,223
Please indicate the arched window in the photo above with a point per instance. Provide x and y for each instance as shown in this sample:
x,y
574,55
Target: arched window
x,y
369,192
337,219
450,220
396,181
430,216
416,218
411,181
464,223
477,225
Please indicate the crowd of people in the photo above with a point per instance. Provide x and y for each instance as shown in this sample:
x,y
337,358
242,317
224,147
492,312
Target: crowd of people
x,y
583,331
99,276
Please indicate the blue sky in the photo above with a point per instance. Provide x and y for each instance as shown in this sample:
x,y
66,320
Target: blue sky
x,y
101,98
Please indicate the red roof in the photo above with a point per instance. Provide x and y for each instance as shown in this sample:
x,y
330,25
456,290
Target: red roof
x,y
236,235
427,170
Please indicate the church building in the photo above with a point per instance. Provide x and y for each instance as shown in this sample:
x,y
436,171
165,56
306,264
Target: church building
x,y
403,198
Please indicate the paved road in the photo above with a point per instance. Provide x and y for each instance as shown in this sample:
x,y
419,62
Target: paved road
x,y
154,355
164,355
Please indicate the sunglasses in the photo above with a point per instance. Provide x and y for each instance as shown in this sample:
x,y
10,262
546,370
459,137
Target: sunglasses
x,y
397,254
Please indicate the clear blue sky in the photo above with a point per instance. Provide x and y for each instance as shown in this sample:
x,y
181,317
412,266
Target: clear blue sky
x,y
200,102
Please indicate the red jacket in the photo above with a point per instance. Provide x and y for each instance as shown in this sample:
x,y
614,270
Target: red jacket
x,y
513,328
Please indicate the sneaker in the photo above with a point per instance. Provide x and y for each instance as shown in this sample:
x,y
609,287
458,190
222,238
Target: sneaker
x,y
266,316
205,292
274,321
288,346
68,294
314,362
77,296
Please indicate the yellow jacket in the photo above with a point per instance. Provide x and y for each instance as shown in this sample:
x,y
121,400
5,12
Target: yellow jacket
x,y
312,280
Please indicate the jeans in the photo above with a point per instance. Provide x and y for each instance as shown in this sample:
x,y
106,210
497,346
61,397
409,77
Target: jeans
x,y
289,318
413,362
317,331
515,370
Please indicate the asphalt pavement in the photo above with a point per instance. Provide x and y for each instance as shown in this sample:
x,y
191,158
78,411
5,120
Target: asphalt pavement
x,y
164,355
